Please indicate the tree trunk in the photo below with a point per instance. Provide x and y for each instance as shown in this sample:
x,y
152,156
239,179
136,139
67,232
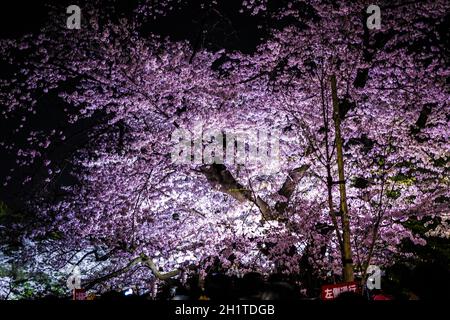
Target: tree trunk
x,y
347,261
328,161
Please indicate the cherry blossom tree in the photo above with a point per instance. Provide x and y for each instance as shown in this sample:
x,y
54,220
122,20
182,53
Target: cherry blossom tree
x,y
363,116
380,91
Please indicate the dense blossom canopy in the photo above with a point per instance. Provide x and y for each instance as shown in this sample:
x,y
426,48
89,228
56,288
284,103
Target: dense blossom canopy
x,y
118,201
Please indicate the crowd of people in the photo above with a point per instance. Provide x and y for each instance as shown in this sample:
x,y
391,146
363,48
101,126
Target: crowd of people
x,y
252,286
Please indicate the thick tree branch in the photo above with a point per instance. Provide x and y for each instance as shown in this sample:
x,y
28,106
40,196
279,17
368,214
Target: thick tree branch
x,y
289,185
145,260
222,179
151,265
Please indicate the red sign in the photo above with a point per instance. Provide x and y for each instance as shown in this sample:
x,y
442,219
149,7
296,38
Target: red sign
x,y
331,291
79,294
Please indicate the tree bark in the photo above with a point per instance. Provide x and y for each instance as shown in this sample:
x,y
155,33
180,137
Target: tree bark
x,y
221,178
328,161
347,260
145,260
